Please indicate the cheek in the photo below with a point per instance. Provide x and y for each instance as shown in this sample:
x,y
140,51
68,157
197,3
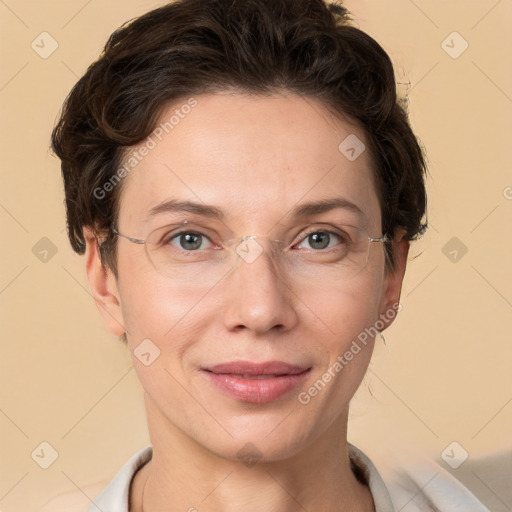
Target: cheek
x,y
344,341
347,316
152,306
345,310
166,321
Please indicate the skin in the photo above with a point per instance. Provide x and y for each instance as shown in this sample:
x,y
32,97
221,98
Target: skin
x,y
256,158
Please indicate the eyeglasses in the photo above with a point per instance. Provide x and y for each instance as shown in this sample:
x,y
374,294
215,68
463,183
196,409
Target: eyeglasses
x,y
179,252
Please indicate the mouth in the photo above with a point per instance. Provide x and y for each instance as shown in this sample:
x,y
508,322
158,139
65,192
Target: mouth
x,y
256,382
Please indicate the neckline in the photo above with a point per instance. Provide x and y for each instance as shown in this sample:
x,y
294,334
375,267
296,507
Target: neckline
x,y
361,465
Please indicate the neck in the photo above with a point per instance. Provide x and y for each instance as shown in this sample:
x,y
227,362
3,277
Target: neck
x,y
184,476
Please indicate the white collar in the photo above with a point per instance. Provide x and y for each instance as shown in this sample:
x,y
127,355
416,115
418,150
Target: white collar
x,y
447,495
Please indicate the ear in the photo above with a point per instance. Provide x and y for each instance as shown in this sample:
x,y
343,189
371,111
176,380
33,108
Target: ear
x,y
394,278
103,285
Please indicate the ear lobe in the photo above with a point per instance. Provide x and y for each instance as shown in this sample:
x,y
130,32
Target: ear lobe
x,y
394,278
103,286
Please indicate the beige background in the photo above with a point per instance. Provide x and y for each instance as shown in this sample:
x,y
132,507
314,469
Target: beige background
x,y
444,375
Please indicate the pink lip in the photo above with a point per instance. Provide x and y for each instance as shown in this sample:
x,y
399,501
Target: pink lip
x,y
256,387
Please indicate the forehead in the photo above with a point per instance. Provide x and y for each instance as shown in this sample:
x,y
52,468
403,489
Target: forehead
x,y
255,157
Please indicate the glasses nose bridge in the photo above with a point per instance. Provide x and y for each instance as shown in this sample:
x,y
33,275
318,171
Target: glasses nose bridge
x,y
249,238
250,247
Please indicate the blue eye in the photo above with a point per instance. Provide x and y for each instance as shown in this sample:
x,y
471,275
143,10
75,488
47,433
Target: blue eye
x,y
320,239
189,240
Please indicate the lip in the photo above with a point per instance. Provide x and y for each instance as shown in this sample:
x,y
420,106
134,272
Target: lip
x,y
256,383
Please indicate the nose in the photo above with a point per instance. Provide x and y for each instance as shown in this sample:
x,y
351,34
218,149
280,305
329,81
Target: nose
x,y
258,295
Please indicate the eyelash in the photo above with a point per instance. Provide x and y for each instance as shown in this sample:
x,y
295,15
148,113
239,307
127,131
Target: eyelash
x,y
168,239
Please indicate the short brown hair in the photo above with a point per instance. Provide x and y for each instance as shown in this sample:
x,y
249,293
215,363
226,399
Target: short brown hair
x,y
189,47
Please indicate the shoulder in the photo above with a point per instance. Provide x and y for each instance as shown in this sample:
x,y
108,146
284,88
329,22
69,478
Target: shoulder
x,y
110,496
425,485
417,483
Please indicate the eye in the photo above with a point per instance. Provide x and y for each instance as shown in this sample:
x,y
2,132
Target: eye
x,y
321,240
189,240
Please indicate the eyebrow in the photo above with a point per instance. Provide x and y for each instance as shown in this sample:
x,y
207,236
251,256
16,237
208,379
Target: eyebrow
x,y
303,210
316,208
173,205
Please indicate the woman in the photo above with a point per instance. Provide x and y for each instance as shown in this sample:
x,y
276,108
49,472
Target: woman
x,y
245,185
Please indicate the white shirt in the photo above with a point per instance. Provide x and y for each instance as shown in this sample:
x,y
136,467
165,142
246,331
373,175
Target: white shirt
x,y
418,490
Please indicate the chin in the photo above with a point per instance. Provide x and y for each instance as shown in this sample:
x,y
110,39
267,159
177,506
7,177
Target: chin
x,y
256,444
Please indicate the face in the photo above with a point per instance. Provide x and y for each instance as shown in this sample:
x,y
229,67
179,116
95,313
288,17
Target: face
x,y
259,343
